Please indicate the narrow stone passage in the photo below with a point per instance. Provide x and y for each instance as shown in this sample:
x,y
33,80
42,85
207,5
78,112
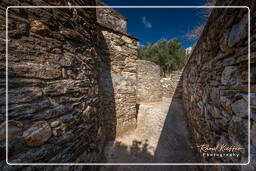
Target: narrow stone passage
x,y
161,136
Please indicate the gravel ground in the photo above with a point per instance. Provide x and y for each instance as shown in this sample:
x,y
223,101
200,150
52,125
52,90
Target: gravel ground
x,y
161,136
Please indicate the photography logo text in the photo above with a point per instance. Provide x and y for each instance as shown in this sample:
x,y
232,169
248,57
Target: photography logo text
x,y
220,150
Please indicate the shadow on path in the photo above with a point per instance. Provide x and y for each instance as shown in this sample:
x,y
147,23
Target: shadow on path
x,y
161,136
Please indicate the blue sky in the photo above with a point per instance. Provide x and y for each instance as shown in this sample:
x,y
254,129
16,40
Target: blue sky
x,y
149,25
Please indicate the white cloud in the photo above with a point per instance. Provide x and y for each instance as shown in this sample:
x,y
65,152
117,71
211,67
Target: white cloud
x,y
146,23
188,50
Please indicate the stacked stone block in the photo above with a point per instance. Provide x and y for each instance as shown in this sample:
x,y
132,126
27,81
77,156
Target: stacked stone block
x,y
118,54
148,82
172,85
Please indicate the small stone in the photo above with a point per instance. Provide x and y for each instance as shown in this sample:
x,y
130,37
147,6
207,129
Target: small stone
x,y
38,27
95,109
64,74
91,91
126,39
240,108
56,2
87,112
117,48
66,61
230,75
63,127
88,109
37,134
55,123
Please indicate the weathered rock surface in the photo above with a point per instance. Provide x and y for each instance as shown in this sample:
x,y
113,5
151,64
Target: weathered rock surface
x,y
38,27
230,75
111,18
215,84
148,75
240,108
37,134
53,78
238,31
172,86
118,53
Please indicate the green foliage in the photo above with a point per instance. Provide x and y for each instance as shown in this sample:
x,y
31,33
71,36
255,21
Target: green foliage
x,y
168,54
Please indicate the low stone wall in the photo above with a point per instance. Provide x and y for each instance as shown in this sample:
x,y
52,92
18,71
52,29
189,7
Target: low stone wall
x,y
172,86
148,82
54,104
151,87
215,84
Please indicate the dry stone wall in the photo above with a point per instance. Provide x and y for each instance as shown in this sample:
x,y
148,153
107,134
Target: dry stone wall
x,y
72,83
172,86
54,103
111,18
151,87
148,82
215,84
118,53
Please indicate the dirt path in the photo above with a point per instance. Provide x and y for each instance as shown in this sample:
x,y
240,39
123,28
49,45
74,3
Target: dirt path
x,y
160,137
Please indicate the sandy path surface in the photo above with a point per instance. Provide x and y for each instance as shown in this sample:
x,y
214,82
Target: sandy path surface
x,y
161,136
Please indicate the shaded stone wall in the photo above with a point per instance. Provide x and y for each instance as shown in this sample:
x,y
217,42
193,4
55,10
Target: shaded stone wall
x,y
118,53
215,84
148,82
54,103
